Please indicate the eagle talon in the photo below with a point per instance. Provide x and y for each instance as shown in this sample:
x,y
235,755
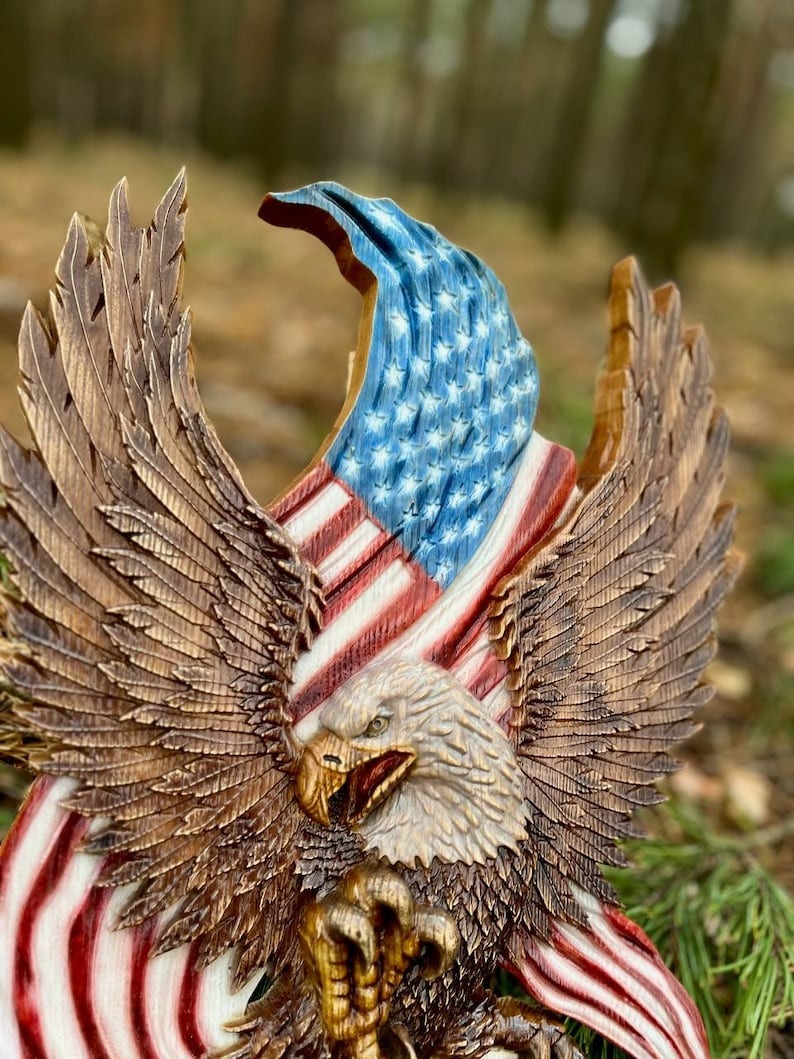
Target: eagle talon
x,y
358,944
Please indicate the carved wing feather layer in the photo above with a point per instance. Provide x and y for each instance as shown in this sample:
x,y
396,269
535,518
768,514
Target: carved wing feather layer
x,y
159,610
606,628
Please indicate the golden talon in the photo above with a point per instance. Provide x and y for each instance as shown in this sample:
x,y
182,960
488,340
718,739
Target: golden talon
x,y
437,931
380,887
346,923
359,942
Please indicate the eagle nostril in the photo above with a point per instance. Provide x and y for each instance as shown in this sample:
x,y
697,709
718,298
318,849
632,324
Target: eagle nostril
x,y
332,759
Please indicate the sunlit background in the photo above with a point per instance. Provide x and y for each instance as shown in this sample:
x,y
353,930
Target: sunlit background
x,y
550,136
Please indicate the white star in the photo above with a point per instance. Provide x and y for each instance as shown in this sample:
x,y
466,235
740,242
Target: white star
x,y
431,403
381,457
460,428
407,446
382,493
442,351
481,329
527,385
411,483
436,437
458,496
449,536
463,341
479,490
385,217
473,525
374,420
480,447
393,376
446,299
432,508
499,317
404,413
520,431
492,369
433,474
423,311
399,322
351,464
420,260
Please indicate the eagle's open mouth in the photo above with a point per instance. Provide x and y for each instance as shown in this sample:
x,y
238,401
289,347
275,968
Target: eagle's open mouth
x,y
368,784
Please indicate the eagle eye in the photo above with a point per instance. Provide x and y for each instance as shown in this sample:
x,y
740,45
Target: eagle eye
x,y
376,726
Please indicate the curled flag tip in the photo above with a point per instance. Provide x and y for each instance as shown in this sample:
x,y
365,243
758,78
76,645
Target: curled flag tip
x,y
610,976
449,387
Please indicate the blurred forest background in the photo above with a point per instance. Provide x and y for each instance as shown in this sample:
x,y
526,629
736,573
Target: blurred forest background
x,y
551,137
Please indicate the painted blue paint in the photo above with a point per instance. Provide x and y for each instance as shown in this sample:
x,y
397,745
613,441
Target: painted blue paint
x,y
447,404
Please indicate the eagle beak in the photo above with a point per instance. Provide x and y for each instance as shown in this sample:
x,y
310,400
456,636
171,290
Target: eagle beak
x,y
328,764
322,771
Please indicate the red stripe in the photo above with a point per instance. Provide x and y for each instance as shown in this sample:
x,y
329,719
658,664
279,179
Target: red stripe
x,y
549,495
188,1016
488,676
635,935
289,504
364,557
323,541
142,938
358,580
26,1000
409,606
82,946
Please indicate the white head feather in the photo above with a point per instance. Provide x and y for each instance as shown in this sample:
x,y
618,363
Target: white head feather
x,y
463,797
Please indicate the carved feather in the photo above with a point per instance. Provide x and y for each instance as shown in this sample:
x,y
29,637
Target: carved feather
x,y
161,607
606,628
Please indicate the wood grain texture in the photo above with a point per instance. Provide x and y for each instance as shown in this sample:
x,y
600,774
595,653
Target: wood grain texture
x,y
160,608
608,626
156,614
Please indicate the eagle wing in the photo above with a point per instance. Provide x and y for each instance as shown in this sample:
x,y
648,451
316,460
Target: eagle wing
x,y
607,626
156,609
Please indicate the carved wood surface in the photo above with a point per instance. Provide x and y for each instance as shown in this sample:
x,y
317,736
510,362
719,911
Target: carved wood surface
x,y
179,646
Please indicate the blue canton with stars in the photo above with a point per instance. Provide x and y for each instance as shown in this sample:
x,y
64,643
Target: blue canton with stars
x,y
446,406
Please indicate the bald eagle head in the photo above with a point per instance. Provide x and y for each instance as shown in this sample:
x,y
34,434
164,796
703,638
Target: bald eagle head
x,y
412,762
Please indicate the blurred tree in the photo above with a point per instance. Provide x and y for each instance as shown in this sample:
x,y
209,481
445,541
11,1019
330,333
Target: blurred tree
x,y
563,167
669,118
672,136
16,109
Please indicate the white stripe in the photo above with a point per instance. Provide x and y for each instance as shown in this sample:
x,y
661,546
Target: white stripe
x,y
163,983
454,603
469,665
498,702
559,1000
349,549
352,621
563,970
111,980
655,976
216,1004
321,508
38,838
60,1029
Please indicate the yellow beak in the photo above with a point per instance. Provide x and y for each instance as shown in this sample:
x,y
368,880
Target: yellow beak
x,y
322,771
328,763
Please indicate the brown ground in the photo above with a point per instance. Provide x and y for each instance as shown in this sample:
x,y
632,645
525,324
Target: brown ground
x,y
273,325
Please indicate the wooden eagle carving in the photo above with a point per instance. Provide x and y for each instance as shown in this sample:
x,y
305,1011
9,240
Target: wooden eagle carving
x,y
310,774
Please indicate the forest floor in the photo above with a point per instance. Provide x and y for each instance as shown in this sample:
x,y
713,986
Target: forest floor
x,y
272,329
